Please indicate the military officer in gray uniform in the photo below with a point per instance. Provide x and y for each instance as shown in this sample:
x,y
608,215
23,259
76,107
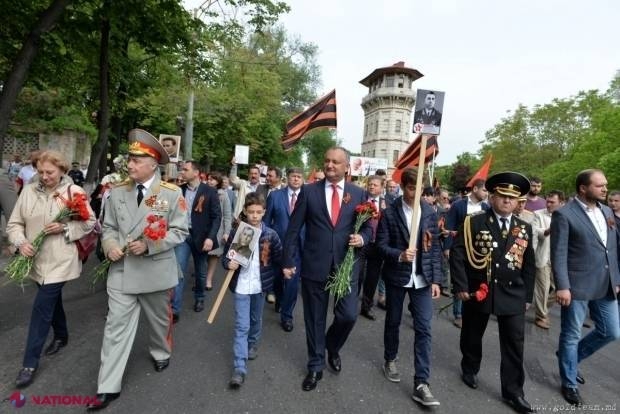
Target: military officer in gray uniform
x,y
143,271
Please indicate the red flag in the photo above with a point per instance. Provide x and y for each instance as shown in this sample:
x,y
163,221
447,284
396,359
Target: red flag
x,y
482,173
321,114
411,156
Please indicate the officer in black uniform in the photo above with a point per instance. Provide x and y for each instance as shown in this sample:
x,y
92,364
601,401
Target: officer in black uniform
x,y
492,266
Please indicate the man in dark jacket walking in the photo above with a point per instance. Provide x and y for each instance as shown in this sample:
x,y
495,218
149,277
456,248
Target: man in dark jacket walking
x,y
416,272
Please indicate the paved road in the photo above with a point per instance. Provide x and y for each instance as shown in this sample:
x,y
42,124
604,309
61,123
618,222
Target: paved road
x,y
197,378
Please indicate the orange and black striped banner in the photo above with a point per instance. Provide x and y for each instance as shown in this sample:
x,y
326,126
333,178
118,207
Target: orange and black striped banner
x,y
322,114
411,156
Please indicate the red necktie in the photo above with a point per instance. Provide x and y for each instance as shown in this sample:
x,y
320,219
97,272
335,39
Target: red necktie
x,y
293,201
335,204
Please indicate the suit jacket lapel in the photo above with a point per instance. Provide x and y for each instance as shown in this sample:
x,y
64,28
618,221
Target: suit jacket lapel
x,y
581,214
403,220
200,191
319,193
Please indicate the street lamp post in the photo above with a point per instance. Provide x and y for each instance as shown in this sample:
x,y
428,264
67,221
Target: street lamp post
x,y
189,118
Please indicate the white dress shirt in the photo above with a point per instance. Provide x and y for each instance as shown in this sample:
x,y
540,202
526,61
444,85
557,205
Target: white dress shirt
x,y
328,194
416,281
249,282
597,218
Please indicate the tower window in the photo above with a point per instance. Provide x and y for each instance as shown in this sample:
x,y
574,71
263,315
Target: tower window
x,y
395,156
397,126
389,81
386,126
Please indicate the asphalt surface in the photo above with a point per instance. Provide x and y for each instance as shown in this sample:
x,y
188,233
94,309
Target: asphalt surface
x,y
197,379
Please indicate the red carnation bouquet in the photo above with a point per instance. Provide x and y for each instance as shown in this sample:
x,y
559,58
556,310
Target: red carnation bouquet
x,y
156,229
76,208
340,282
479,295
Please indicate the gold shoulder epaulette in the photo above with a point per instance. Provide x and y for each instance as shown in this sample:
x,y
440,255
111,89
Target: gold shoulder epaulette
x,y
169,186
127,181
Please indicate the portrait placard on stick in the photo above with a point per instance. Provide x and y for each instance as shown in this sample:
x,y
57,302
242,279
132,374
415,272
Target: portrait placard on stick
x,y
244,243
428,111
172,145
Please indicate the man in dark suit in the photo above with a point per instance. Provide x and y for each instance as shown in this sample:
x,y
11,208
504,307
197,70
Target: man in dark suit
x,y
428,115
584,259
204,219
280,206
402,277
273,182
327,209
472,203
493,250
371,259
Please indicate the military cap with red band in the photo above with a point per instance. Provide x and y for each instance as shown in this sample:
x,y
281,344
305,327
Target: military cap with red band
x,y
143,144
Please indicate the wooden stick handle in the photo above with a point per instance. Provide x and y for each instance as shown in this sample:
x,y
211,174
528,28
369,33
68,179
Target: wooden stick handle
x,y
220,296
413,233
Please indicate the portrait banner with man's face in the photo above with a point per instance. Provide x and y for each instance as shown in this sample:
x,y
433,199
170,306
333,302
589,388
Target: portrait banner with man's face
x,y
428,111
172,145
244,243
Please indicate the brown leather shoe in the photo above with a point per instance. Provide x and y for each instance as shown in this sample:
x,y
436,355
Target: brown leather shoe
x,y
543,323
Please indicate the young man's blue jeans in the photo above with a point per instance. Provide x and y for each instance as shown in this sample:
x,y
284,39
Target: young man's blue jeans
x,y
572,348
248,326
182,252
421,308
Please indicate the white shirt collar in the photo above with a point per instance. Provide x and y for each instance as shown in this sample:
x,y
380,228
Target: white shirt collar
x,y
340,184
147,184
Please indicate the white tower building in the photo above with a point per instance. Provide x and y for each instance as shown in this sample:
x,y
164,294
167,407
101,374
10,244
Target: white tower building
x,y
387,112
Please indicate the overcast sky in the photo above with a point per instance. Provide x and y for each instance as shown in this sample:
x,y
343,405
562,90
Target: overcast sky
x,y
488,56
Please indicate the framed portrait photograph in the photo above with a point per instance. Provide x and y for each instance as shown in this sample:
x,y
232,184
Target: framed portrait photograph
x,y
172,145
428,111
244,244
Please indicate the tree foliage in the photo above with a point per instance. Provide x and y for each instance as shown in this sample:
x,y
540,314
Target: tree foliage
x,y
556,140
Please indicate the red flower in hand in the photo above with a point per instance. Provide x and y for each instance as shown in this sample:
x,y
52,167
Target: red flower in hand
x,y
156,228
482,292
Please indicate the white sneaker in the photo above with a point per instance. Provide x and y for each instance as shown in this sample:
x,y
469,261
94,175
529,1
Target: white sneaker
x,y
422,394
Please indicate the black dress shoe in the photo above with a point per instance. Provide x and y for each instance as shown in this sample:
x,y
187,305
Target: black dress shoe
x,y
580,379
571,395
199,306
334,362
161,364
102,401
519,405
55,346
311,380
24,377
470,380
368,313
175,317
287,326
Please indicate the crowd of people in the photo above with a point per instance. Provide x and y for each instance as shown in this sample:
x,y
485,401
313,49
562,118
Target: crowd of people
x,y
496,250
